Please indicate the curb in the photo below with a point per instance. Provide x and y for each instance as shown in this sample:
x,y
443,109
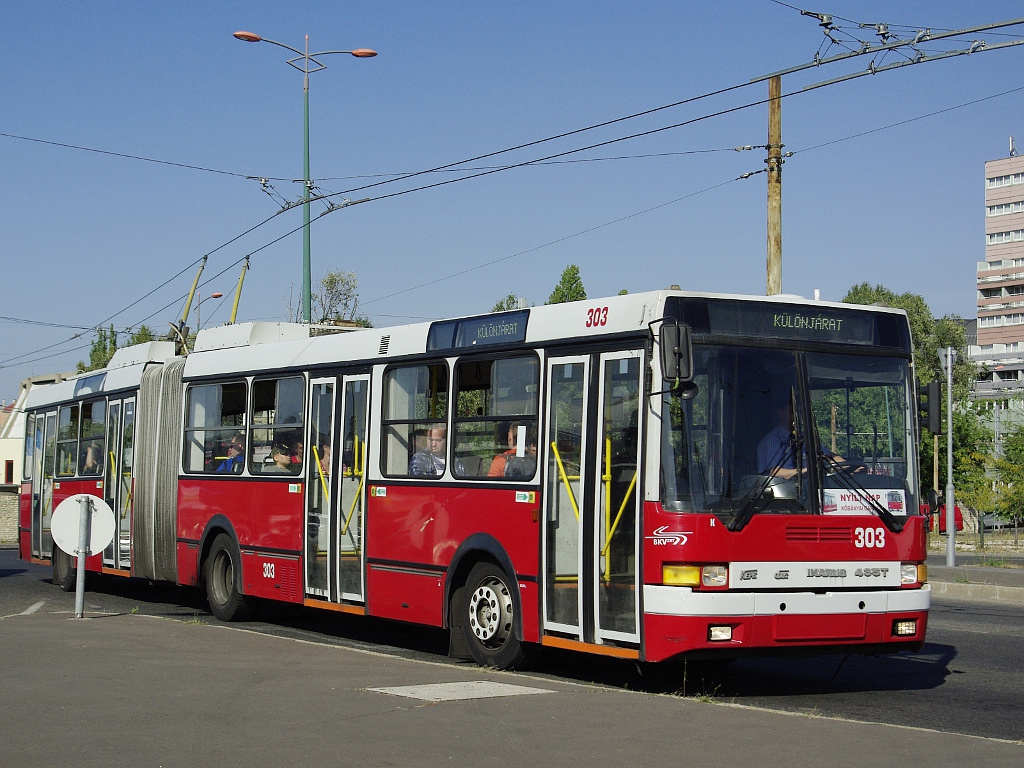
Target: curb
x,y
987,592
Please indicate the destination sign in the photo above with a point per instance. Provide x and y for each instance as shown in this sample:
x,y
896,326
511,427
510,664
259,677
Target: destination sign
x,y
726,317
501,328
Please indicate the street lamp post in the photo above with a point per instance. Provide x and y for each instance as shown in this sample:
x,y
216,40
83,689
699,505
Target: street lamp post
x,y
199,303
947,356
306,58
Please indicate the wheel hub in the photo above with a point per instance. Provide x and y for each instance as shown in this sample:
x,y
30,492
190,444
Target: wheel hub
x,y
490,612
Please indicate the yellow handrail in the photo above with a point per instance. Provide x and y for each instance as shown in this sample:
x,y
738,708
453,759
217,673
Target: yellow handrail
x,y
320,471
357,471
352,509
606,478
612,526
618,517
565,480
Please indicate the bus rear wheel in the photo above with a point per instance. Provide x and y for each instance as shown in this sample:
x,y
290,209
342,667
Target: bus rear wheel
x,y
65,572
222,574
488,618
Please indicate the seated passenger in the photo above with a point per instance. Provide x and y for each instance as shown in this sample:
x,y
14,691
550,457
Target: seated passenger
x,y
297,456
498,464
236,456
431,460
523,467
92,461
282,457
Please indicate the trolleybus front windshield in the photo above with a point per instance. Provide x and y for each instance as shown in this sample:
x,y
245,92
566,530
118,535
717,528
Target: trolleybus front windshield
x,y
781,431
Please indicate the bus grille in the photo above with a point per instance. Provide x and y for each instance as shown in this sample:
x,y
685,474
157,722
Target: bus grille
x,y
815,533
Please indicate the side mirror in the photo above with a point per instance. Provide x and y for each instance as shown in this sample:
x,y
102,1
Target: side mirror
x,y
676,352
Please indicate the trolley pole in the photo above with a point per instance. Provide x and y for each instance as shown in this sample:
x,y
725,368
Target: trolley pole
x,y
774,161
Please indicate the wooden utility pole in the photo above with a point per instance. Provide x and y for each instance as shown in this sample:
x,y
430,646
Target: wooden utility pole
x,y
774,283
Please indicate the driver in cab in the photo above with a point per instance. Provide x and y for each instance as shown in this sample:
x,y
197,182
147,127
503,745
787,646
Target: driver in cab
x,y
776,453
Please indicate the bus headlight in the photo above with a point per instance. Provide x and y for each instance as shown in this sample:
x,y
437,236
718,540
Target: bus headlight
x,y
714,576
911,573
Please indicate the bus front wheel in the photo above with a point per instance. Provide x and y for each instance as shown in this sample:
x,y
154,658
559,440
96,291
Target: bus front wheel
x,y
223,578
489,610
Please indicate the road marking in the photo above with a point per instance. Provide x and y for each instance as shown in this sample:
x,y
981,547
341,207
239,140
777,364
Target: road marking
x,y
475,689
33,608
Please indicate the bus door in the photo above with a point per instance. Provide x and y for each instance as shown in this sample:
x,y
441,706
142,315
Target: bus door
x,y
119,479
351,485
318,486
42,482
591,496
335,491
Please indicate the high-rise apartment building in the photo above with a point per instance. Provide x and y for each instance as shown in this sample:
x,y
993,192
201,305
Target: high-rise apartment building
x,y
999,349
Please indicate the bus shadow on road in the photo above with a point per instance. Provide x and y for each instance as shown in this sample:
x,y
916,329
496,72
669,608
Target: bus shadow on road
x,y
751,679
763,677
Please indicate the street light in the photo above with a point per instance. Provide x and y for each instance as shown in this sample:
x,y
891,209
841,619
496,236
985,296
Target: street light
x,y
306,58
947,357
199,303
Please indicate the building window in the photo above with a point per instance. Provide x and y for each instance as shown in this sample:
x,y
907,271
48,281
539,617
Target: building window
x,y
1001,320
9,471
1013,236
1004,181
1004,208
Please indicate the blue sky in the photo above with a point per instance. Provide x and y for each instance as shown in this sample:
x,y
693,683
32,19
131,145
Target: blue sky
x,y
85,234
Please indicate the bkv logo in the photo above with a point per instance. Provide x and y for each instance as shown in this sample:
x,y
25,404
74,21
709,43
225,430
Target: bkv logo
x,y
662,537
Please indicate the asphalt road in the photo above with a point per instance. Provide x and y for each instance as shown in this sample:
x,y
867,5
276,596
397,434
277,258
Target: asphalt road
x,y
969,678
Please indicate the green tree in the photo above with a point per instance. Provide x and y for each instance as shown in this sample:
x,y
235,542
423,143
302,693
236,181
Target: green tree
x,y
569,288
1009,470
105,345
928,333
970,437
506,304
140,336
335,300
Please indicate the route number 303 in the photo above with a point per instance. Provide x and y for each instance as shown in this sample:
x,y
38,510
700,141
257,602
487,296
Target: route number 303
x,y
868,537
597,317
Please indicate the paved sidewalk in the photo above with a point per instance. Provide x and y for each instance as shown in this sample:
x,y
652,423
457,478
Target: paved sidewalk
x,y
977,582
132,690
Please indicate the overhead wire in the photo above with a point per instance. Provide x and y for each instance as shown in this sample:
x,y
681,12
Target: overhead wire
x,y
452,167
127,156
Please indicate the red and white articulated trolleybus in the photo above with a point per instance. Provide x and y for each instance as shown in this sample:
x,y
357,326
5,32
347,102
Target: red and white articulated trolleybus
x,y
642,476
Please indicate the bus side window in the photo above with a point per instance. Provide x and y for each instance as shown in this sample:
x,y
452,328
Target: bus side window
x,y
67,440
214,413
275,428
416,401
495,409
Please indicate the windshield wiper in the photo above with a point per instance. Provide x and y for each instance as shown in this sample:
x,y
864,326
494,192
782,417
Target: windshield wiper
x,y
849,483
750,507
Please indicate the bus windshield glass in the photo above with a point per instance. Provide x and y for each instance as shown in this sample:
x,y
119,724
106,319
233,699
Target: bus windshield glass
x,y
783,431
